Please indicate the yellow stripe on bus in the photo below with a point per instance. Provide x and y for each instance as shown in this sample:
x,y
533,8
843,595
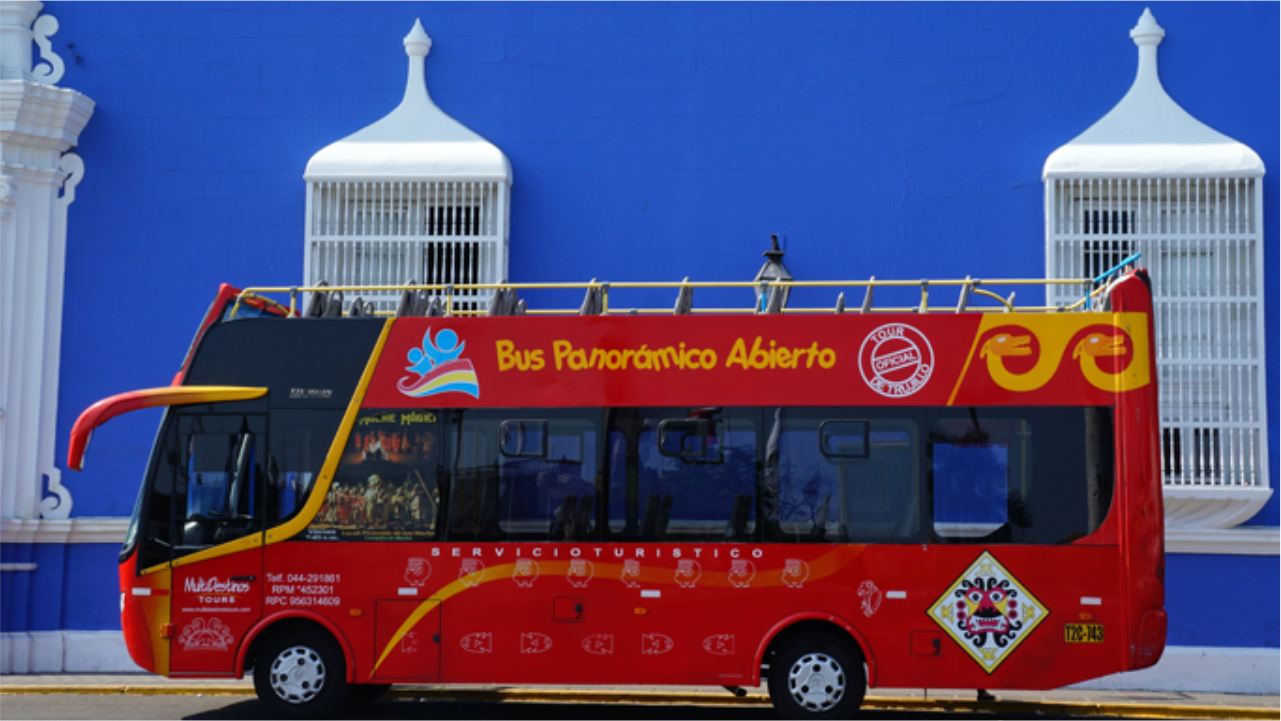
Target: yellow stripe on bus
x,y
317,498
821,567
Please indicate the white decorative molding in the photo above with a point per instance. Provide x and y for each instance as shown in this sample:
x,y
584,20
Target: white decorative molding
x,y
104,530
1211,507
1148,134
49,74
7,196
74,167
58,504
1239,541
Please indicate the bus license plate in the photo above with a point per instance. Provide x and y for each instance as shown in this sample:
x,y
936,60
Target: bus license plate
x,y
1083,633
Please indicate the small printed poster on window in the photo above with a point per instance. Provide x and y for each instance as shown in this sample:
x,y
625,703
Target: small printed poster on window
x,y
385,487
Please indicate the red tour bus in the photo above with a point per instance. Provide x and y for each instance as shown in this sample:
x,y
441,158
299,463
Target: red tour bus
x,y
823,501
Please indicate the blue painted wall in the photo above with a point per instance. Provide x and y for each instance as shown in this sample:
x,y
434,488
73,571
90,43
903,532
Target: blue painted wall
x,y
1217,600
649,142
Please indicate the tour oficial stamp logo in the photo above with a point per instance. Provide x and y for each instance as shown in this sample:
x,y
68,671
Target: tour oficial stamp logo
x,y
896,360
988,612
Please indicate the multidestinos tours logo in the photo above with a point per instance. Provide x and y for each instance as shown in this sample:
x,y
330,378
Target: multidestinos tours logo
x,y
440,368
214,585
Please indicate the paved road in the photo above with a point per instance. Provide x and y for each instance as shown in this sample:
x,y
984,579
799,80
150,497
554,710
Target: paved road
x,y
32,707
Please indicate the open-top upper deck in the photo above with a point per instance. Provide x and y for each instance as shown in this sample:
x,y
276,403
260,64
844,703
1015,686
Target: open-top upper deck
x,y
524,350
970,295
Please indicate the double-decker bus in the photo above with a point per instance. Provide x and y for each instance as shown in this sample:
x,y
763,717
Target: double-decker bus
x,y
924,496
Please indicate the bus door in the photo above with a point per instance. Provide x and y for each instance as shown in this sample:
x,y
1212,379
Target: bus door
x,y
218,465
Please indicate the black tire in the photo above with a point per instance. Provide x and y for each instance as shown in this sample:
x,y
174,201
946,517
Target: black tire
x,y
300,673
817,676
363,693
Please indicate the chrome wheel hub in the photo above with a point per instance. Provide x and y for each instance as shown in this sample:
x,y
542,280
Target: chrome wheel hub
x,y
817,682
297,674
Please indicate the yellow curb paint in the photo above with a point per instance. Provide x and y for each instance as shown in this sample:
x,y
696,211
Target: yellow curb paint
x,y
1152,711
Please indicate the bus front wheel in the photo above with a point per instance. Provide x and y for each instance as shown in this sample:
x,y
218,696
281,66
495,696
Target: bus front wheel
x,y
300,674
817,676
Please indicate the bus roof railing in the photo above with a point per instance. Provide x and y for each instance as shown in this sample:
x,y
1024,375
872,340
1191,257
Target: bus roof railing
x,y
974,295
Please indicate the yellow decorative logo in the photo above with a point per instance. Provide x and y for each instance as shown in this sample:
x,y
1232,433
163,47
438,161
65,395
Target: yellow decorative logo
x,y
988,612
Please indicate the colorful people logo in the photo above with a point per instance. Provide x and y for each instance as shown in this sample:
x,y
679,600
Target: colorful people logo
x,y
440,368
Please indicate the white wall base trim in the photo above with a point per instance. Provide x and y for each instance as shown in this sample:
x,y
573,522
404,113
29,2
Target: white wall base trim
x,y
1239,541
1202,669
64,652
83,529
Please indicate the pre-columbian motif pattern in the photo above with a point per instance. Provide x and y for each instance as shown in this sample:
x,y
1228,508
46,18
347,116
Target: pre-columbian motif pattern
x,y
988,612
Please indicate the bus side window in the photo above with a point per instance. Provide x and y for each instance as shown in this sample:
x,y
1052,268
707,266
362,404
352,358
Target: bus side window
x,y
548,489
1030,475
514,478
155,500
837,479
300,440
219,475
689,475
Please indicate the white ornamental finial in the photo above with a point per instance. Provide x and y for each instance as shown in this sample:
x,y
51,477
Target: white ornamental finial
x,y
417,44
1147,32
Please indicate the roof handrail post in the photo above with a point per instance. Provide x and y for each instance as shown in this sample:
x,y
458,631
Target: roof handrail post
x,y
684,298
867,299
965,294
449,299
604,298
293,300
925,297
1009,303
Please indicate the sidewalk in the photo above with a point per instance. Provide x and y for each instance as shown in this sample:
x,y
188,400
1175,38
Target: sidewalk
x,y
1149,704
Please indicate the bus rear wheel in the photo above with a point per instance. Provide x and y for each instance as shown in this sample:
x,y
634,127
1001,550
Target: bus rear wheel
x,y
301,674
817,676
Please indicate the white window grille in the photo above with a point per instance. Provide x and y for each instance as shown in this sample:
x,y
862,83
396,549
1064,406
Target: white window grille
x,y
1201,240
391,232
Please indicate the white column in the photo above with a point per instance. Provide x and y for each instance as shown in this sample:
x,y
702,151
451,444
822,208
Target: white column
x,y
39,123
